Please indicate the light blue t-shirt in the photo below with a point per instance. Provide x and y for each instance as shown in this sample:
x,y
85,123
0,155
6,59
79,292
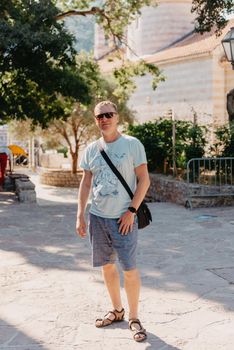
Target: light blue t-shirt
x,y
109,197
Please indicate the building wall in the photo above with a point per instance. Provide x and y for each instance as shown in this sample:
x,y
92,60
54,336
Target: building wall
x,y
158,27
219,88
188,85
101,45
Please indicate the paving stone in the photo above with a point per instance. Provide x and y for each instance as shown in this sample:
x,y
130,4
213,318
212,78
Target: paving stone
x,y
50,295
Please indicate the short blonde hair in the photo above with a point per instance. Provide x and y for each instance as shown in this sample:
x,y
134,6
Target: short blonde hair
x,y
105,107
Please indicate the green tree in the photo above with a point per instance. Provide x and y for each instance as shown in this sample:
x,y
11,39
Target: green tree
x,y
115,15
37,56
157,138
196,142
37,62
224,145
112,15
79,127
212,14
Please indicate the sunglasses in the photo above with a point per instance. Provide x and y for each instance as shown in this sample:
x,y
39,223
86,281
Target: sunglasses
x,y
106,115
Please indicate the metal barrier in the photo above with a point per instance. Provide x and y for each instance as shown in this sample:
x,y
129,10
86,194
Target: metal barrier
x,y
209,177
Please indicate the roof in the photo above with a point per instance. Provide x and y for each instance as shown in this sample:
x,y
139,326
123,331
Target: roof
x,y
191,45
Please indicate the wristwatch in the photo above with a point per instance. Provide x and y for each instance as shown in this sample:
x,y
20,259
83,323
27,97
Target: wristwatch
x,y
132,210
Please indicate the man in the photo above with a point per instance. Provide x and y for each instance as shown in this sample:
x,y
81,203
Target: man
x,y
112,216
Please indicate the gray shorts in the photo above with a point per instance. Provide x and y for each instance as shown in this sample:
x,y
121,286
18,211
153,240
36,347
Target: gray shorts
x,y
108,244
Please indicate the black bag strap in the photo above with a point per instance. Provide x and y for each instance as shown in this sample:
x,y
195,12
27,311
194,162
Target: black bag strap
x,y
116,172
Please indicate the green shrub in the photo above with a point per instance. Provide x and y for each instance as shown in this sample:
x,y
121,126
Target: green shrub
x,y
195,147
63,150
224,147
157,139
149,135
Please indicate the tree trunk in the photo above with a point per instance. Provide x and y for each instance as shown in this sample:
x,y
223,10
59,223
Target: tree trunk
x,y
74,162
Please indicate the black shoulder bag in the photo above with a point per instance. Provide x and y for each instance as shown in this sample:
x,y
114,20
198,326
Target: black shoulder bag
x,y
143,213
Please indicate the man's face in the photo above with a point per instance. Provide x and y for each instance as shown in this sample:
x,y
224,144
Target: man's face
x,y
107,122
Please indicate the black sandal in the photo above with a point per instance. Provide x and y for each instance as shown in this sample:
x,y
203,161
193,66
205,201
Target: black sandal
x,y
136,332
105,321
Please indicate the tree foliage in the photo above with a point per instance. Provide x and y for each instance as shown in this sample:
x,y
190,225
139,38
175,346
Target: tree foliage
x,y
79,127
112,15
37,62
195,142
224,145
212,14
157,138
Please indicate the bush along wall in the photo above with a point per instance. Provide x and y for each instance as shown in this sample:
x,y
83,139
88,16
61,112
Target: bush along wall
x,y
157,139
224,145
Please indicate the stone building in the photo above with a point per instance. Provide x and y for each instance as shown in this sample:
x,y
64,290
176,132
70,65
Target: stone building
x,y
198,77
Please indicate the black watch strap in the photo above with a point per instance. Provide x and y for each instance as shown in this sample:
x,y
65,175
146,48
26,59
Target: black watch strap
x,y
132,210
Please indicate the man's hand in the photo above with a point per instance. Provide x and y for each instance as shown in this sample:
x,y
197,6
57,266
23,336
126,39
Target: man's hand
x,y
126,222
81,226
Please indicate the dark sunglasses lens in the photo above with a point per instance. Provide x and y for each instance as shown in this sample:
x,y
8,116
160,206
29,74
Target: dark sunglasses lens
x,y
106,115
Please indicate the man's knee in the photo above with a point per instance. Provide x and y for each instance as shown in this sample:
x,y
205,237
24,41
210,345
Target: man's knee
x,y
109,268
131,274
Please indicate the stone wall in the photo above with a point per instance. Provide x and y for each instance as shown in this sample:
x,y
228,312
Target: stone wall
x,y
22,186
61,178
25,190
162,189
167,189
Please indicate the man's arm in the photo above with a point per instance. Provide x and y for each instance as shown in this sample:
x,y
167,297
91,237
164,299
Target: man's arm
x,y
143,183
83,196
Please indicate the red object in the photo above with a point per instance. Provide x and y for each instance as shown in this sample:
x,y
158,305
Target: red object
x,y
3,164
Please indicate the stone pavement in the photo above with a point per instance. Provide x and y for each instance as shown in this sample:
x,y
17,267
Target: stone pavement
x,y
50,295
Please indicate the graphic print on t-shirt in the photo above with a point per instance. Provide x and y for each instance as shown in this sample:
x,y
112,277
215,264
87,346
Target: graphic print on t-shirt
x,y
105,181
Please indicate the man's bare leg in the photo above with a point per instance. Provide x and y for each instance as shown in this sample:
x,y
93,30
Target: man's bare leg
x,y
132,284
112,282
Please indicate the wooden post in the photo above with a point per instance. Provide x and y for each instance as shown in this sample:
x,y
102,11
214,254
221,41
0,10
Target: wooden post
x,y
173,143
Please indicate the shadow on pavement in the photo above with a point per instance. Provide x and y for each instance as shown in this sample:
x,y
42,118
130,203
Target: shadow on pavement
x,y
176,253
157,343
7,198
152,342
44,236
12,338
